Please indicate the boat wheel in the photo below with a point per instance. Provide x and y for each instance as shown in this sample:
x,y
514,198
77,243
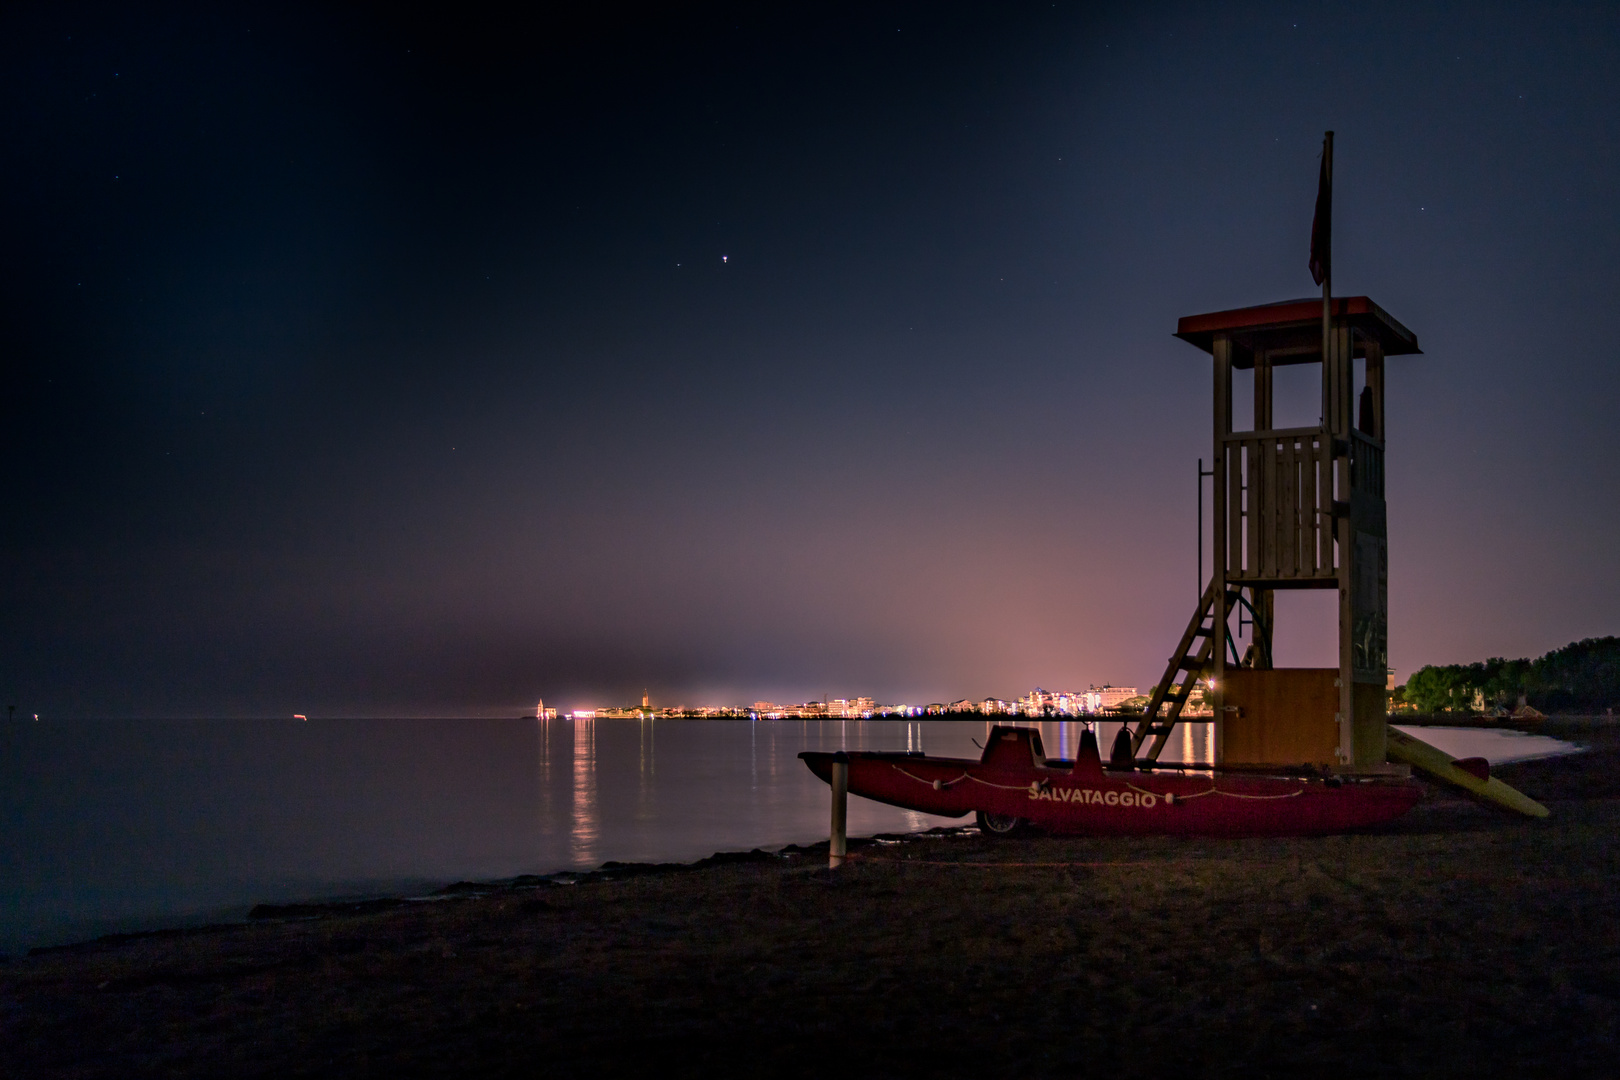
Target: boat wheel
x,y
998,825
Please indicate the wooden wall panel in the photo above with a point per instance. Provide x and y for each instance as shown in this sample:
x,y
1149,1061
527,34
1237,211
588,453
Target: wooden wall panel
x,y
1285,716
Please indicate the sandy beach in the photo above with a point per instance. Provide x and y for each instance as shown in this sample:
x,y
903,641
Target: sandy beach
x,y
1457,942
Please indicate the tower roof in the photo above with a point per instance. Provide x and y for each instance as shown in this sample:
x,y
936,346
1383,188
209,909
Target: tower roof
x,y
1291,330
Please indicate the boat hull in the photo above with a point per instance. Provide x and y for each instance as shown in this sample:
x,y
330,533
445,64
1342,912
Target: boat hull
x,y
1083,798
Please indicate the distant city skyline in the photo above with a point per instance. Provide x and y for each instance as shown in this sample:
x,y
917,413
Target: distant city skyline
x,y
1094,701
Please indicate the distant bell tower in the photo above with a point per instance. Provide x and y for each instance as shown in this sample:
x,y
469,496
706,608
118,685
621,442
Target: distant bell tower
x,y
645,700
1294,508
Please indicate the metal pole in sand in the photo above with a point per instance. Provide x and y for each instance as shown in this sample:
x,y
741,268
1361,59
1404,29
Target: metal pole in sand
x,y
838,844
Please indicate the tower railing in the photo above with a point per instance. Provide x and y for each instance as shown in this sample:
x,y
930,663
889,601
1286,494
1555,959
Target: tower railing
x,y
1366,464
1279,523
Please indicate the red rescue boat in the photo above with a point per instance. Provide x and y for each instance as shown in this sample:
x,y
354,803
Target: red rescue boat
x,y
1014,786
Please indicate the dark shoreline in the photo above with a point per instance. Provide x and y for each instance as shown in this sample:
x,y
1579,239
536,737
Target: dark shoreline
x,y
1456,942
611,870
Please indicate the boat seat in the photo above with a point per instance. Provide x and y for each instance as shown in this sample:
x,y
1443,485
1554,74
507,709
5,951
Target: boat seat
x,y
1088,760
1013,748
1121,756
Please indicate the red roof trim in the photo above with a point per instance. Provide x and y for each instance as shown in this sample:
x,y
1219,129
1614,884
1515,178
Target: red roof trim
x,y
1290,316
1272,314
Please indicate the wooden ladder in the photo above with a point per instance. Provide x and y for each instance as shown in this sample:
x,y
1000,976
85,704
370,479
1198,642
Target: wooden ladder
x,y
1192,659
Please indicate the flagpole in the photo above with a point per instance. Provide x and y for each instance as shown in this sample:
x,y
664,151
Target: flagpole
x,y
1327,263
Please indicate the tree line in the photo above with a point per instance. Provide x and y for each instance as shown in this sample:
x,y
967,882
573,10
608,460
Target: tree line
x,y
1582,677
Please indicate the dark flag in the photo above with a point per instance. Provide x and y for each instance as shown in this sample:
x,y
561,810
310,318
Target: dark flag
x,y
1322,223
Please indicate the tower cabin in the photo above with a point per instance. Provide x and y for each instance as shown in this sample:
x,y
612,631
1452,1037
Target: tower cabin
x,y
1294,508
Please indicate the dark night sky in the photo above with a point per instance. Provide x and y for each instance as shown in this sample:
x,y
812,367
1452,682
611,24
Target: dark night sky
x,y
360,365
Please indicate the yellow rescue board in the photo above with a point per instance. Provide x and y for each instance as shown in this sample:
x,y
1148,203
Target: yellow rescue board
x,y
1440,765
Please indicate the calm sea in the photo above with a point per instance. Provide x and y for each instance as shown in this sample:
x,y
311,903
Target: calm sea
x,y
121,825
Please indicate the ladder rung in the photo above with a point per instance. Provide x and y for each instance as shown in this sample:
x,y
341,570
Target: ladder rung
x,y
1170,693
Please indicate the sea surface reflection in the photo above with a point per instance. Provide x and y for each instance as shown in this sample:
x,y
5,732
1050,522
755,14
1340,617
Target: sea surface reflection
x,y
648,790
110,826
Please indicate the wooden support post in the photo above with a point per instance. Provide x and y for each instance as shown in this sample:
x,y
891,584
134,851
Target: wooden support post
x,y
1262,467
1223,428
1263,382
1369,572
1375,383
838,844
1340,375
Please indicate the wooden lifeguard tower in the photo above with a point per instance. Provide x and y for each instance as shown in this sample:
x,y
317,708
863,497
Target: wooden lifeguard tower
x,y
1301,508
1294,508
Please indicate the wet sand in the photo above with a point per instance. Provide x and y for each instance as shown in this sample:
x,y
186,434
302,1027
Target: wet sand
x,y
1457,942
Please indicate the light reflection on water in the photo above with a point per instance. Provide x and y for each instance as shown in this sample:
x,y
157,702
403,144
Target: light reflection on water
x,y
582,836
713,791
